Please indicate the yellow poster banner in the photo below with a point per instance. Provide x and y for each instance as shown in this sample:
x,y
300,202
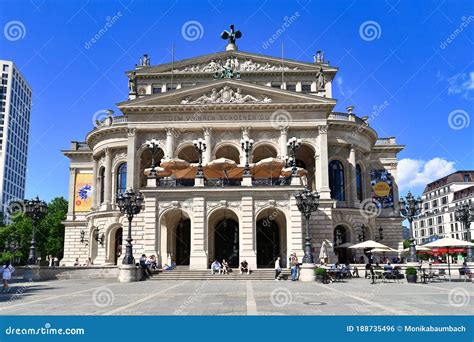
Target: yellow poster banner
x,y
83,192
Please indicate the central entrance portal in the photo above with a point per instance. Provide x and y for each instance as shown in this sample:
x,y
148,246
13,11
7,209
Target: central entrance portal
x,y
268,242
183,240
226,241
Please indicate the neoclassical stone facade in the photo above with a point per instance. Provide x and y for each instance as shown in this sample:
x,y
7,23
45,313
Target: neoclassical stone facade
x,y
222,98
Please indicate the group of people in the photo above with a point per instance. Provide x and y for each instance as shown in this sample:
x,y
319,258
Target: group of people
x,y
339,271
148,264
223,267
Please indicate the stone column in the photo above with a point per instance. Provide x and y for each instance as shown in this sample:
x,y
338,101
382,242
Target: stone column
x,y
322,141
169,142
294,231
94,182
150,236
207,138
72,184
108,179
247,233
283,141
352,176
131,159
198,259
393,171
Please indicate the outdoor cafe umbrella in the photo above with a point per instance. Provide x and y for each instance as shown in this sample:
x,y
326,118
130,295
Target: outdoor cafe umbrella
x,y
448,243
160,172
383,250
174,164
369,244
268,168
418,249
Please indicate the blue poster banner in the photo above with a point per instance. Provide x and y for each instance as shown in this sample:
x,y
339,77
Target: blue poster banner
x,y
236,328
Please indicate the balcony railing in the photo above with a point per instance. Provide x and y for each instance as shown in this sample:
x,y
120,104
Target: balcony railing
x,y
222,182
346,117
172,183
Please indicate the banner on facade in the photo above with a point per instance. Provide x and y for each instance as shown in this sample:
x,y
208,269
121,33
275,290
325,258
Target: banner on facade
x,y
382,188
83,192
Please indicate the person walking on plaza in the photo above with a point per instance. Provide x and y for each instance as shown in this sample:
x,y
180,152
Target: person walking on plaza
x,y
277,269
7,275
294,267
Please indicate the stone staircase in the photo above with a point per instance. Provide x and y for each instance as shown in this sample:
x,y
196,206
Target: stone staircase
x,y
182,273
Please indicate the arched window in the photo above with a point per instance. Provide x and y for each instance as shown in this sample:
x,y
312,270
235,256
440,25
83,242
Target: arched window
x,y
101,185
336,180
122,178
359,182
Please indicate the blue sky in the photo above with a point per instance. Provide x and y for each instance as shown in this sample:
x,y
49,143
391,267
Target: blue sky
x,y
414,59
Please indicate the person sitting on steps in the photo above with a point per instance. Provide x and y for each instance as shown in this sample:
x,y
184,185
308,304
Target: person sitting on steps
x,y
244,267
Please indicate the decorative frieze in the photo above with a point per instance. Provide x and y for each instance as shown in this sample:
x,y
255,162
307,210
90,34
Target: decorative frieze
x,y
226,95
234,64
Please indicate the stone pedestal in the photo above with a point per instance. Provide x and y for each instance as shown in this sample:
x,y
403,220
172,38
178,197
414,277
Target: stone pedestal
x,y
198,261
32,273
307,272
296,180
128,273
151,182
246,181
199,181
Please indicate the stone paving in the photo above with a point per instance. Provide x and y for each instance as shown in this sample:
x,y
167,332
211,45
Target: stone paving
x,y
246,297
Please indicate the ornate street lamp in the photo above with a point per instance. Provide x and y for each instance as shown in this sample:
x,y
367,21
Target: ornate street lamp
x,y
293,144
247,145
36,210
307,202
130,204
410,207
465,215
201,147
153,146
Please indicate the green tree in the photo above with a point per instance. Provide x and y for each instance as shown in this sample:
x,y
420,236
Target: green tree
x,y
49,234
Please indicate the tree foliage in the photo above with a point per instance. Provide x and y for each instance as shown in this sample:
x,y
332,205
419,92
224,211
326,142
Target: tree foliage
x,y
15,238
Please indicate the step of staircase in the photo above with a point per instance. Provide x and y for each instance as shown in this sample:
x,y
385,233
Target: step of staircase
x,y
186,274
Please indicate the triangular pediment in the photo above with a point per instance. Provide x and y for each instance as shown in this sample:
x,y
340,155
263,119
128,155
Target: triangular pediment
x,y
226,92
238,61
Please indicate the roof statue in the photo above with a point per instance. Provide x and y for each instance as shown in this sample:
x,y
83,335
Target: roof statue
x,y
231,36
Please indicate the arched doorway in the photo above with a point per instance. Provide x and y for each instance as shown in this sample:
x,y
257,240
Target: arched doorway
x,y
271,238
224,237
189,153
228,151
183,241
263,151
341,244
118,237
305,159
145,163
175,228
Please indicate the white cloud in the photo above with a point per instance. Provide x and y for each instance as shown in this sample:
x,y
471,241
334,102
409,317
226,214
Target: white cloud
x,y
415,173
463,84
344,90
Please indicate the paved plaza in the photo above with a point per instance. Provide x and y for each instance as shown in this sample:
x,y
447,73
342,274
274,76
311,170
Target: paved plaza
x,y
246,297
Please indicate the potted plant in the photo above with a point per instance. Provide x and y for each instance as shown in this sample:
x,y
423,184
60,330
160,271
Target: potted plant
x,y
320,274
411,272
